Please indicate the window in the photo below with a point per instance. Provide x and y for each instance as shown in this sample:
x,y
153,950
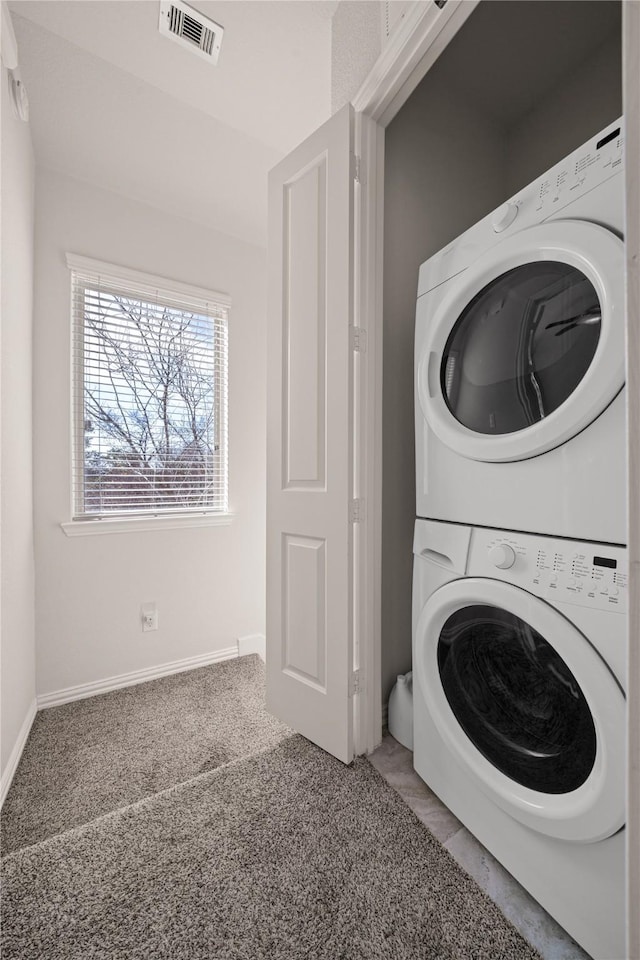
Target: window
x,y
149,395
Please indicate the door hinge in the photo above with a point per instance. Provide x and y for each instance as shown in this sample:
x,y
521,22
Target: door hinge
x,y
357,510
355,167
358,339
356,682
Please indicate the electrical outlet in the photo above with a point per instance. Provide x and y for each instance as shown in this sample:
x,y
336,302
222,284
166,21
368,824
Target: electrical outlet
x,y
149,617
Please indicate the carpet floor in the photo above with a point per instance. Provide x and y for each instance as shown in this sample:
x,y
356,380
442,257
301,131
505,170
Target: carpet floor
x,y
286,855
86,758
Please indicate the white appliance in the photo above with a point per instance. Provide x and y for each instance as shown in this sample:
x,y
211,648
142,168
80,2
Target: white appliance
x,y
519,652
520,359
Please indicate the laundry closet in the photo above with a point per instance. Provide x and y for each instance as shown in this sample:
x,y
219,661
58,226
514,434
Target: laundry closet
x,y
518,88
504,363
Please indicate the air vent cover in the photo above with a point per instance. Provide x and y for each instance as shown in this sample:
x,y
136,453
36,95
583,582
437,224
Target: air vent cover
x,y
191,29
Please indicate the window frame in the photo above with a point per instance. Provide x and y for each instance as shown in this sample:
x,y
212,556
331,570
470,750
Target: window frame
x,y
136,284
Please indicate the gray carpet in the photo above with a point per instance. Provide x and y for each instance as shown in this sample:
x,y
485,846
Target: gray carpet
x,y
87,758
286,855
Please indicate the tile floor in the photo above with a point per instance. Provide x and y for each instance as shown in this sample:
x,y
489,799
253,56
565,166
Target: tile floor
x,y
395,763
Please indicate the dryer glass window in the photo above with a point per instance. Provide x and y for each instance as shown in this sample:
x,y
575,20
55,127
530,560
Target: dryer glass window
x,y
521,347
516,699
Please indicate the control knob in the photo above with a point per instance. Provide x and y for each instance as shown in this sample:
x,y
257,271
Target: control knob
x,y
504,217
502,556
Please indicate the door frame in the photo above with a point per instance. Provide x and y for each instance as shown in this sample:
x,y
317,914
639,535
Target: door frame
x,y
422,35
631,105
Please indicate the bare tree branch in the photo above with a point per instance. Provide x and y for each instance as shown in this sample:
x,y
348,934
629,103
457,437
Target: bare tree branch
x,y
149,406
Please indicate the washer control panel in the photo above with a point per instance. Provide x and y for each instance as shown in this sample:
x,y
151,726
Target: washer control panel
x,y
569,571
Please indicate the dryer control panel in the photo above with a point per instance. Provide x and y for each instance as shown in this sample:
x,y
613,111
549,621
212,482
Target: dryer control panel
x,y
567,571
586,168
591,165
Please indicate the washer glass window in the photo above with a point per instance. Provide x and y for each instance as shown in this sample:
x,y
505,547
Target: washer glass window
x,y
521,347
516,699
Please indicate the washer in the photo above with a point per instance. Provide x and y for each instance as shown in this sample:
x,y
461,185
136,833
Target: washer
x,y
519,652
520,359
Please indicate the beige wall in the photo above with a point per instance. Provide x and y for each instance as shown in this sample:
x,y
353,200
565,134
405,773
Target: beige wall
x,y
356,41
17,563
208,582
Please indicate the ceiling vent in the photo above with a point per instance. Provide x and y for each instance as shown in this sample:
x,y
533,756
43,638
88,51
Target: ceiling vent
x,y
191,29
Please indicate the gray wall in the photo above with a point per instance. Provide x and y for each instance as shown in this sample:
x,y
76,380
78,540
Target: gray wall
x,y
576,110
435,187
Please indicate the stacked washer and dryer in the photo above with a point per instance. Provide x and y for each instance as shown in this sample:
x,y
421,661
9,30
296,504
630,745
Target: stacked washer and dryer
x,y
520,566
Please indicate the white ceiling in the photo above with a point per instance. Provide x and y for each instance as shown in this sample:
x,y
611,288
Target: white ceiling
x,y
115,103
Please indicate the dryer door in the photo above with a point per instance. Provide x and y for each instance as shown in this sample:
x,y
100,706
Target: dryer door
x,y
526,705
526,348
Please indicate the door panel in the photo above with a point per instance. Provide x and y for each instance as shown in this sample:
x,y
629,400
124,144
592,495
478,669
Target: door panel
x,y
304,319
304,603
310,443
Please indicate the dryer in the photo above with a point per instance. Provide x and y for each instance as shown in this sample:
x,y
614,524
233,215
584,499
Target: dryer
x,y
520,359
519,653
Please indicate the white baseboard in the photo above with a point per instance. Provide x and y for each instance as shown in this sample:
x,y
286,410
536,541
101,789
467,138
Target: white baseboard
x,y
84,690
16,753
256,643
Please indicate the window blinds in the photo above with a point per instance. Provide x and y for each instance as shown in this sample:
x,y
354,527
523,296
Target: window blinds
x,y
150,395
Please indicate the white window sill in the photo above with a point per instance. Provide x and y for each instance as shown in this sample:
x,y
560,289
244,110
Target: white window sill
x,y
86,528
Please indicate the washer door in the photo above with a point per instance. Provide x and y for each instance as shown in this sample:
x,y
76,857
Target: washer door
x,y
527,346
526,705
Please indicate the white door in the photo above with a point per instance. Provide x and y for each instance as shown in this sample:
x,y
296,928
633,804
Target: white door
x,y
310,438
